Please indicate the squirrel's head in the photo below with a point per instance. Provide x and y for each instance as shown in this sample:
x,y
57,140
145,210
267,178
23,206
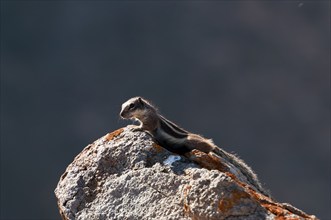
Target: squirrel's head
x,y
134,108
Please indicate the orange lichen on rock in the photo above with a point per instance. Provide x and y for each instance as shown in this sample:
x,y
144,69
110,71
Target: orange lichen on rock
x,y
187,209
112,135
228,202
278,209
279,212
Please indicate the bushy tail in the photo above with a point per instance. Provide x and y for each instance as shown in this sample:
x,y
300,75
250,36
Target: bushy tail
x,y
244,169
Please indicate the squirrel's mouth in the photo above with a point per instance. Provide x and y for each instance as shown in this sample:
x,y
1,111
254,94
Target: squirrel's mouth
x,y
123,115
126,116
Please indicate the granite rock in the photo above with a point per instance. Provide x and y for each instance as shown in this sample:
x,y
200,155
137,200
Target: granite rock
x,y
125,175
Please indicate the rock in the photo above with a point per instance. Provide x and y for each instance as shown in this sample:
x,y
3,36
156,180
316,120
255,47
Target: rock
x,y
125,175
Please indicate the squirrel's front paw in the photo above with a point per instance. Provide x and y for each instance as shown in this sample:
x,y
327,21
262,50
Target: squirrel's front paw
x,y
134,128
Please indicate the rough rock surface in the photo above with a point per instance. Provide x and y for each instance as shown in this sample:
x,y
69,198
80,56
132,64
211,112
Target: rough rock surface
x,y
125,175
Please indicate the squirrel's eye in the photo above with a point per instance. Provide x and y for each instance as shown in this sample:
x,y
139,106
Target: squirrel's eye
x,y
131,106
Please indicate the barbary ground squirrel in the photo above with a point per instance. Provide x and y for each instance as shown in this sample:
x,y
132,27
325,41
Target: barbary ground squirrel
x,y
176,139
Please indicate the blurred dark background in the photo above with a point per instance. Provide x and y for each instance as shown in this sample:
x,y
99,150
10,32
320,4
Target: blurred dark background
x,y
254,76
